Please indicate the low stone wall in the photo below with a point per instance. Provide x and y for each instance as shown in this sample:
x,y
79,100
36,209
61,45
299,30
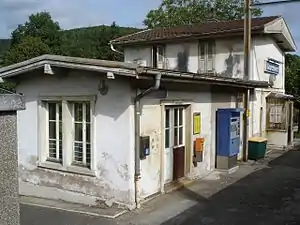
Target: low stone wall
x,y
9,191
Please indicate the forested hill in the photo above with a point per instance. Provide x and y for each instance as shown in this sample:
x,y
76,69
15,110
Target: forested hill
x,y
89,42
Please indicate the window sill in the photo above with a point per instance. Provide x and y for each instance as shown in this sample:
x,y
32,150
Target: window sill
x,y
69,169
275,130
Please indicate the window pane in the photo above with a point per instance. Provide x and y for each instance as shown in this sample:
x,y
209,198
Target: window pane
x,y
88,112
175,136
78,112
180,135
180,116
60,111
60,149
202,51
52,148
210,50
167,138
88,133
78,131
175,117
88,154
167,120
52,130
52,111
78,153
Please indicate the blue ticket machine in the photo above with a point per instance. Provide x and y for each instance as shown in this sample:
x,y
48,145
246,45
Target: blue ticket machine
x,y
228,137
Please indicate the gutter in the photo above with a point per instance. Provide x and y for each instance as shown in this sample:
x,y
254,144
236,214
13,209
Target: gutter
x,y
137,122
113,48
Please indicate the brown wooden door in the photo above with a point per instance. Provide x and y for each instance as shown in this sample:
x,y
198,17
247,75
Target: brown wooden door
x,y
178,162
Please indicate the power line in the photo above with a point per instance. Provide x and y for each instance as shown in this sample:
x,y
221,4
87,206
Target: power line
x,y
274,2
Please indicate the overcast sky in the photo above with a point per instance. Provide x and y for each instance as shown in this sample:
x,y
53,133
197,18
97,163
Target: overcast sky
x,y
78,13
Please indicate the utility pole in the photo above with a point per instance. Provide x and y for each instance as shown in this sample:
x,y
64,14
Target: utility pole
x,y
247,63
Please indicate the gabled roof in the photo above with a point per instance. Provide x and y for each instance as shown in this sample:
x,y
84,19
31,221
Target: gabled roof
x,y
211,29
195,30
134,71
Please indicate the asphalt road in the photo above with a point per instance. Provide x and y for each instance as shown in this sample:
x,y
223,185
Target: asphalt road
x,y
270,196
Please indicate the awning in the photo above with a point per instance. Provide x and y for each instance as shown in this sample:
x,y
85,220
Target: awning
x,y
280,96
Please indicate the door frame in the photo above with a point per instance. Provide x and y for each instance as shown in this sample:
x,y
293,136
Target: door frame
x,y
186,105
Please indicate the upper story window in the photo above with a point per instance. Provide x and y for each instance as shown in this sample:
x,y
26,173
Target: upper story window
x,y
206,57
158,56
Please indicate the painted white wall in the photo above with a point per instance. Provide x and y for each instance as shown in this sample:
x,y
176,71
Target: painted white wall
x,y
262,49
113,142
152,167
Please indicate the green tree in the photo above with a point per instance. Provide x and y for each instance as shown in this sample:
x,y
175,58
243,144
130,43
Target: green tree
x,y
292,76
182,12
27,48
41,26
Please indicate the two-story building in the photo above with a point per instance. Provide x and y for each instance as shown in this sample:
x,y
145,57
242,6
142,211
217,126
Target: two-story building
x,y
98,131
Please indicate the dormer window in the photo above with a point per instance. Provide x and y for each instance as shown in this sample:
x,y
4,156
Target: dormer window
x,y
158,56
206,57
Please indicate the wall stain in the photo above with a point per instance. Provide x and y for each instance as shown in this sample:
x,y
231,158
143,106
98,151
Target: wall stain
x,y
233,65
183,60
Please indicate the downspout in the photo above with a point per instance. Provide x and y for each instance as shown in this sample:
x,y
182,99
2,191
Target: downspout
x,y
113,48
137,122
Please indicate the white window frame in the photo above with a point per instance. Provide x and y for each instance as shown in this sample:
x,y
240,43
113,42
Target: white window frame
x,y
160,56
67,163
204,59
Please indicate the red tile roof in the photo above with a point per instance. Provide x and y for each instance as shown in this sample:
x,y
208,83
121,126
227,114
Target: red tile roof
x,y
207,29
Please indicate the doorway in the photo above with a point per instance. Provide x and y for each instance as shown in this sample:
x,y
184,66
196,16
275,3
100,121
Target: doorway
x,y
174,139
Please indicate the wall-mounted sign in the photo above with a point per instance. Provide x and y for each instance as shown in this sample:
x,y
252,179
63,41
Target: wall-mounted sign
x,y
272,66
196,123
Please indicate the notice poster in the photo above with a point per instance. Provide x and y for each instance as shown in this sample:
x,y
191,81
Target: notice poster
x,y
196,123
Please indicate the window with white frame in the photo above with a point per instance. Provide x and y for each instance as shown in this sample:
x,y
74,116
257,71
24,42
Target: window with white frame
x,y
54,131
82,130
68,127
276,115
206,57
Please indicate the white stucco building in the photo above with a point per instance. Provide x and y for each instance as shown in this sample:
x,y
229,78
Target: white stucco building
x,y
87,121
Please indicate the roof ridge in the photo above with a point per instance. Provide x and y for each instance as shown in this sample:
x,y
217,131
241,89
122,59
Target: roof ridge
x,y
162,33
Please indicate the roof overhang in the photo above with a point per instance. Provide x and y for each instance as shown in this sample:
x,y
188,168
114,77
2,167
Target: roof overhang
x,y
46,62
281,33
126,69
279,95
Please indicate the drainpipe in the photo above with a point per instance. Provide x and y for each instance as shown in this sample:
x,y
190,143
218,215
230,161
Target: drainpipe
x,y
137,122
114,50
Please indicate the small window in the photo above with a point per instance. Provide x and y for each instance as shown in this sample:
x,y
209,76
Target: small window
x,y
206,57
158,56
276,118
54,131
82,133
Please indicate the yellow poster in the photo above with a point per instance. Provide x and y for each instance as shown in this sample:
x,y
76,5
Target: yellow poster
x,y
196,123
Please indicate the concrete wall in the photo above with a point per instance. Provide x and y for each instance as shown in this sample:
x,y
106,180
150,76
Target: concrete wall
x,y
113,144
152,180
9,196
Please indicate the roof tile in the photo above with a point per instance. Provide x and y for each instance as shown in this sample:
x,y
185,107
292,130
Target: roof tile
x,y
195,30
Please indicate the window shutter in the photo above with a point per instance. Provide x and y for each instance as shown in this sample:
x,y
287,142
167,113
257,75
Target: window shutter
x,y
210,57
201,68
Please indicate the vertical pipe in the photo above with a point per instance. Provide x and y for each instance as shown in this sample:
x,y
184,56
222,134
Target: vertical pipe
x,y
137,171
247,47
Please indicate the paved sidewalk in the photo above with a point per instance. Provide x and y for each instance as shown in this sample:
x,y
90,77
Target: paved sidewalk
x,y
261,193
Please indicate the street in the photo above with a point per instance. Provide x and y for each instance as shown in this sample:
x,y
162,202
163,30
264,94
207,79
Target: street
x,y
268,196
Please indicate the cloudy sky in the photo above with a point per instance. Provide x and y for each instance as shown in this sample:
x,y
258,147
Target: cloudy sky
x,y
77,13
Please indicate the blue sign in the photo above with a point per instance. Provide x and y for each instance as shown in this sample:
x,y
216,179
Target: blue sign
x,y
272,67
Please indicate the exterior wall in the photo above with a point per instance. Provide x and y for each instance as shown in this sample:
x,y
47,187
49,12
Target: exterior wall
x,y
140,55
262,49
113,143
277,139
152,168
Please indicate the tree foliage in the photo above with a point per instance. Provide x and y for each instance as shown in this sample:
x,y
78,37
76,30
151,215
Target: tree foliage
x,y
39,25
182,12
292,76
